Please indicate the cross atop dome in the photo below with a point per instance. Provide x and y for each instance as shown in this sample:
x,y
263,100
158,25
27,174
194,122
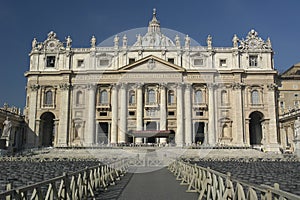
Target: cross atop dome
x,y
154,25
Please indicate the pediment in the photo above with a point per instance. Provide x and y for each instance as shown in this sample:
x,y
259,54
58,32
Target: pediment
x,y
292,71
151,64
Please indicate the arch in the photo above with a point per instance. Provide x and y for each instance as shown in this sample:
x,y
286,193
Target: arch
x,y
79,98
47,129
103,97
255,97
255,128
224,97
198,97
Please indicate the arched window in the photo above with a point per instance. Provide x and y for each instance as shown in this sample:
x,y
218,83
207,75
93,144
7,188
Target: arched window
x,y
151,97
171,97
48,98
255,97
79,98
224,97
131,97
198,97
103,97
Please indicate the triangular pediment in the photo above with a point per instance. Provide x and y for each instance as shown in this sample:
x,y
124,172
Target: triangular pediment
x,y
292,71
151,64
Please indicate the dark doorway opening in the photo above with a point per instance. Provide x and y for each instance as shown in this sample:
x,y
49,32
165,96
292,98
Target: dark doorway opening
x,y
47,129
199,132
151,126
255,128
103,133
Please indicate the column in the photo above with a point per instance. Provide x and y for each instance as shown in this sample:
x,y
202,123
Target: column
x,y
90,133
272,126
56,123
211,115
139,107
123,114
139,111
205,133
114,115
238,129
97,132
179,132
163,108
247,132
38,131
64,113
188,115
32,107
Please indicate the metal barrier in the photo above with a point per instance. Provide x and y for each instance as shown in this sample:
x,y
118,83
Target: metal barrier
x,y
81,184
211,184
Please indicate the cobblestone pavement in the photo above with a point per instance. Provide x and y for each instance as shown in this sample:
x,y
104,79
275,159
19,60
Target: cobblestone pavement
x,y
287,174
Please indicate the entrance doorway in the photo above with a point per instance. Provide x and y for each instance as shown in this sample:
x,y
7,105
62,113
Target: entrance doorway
x,y
255,128
151,126
47,129
199,132
103,133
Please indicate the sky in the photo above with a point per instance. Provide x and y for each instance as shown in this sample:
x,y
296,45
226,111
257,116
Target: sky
x,y
21,21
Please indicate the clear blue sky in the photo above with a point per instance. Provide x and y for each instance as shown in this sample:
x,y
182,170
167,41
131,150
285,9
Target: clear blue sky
x,y
21,21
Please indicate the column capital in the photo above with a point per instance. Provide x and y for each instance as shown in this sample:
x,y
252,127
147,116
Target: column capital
x,y
34,87
163,85
188,85
179,85
139,85
65,86
272,86
123,85
91,86
238,86
212,85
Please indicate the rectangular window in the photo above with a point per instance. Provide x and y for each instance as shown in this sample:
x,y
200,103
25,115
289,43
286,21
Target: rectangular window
x,y
171,60
223,63
131,113
104,62
80,63
199,113
198,62
281,104
253,61
171,113
131,60
50,61
103,113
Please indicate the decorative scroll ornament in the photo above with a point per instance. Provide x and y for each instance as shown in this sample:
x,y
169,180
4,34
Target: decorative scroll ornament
x,y
34,87
254,42
272,86
64,86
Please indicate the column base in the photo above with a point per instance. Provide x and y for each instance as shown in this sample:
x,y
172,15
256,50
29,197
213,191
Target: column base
x,y
274,148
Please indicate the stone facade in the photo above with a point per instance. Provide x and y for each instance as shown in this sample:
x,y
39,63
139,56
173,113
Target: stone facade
x,y
12,137
289,107
196,94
